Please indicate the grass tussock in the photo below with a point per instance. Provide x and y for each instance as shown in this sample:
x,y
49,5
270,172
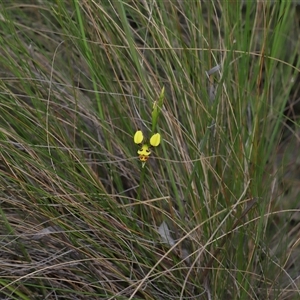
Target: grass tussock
x,y
214,212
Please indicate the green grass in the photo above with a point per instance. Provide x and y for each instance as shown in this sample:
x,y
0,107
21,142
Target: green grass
x,y
80,217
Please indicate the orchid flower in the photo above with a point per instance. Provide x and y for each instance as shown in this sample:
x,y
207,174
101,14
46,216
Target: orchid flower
x,y
144,152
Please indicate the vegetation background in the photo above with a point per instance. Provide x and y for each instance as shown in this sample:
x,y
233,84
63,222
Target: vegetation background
x,y
215,212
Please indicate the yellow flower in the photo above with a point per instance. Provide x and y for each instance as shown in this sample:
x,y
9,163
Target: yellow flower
x,y
138,137
155,140
144,152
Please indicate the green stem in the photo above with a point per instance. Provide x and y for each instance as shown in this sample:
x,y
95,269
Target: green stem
x,y
141,184
138,208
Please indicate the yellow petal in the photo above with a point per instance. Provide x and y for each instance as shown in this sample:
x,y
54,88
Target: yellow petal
x,y
143,158
144,151
155,140
138,137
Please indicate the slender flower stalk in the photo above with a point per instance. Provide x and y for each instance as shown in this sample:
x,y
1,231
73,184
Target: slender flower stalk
x,y
138,138
145,147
